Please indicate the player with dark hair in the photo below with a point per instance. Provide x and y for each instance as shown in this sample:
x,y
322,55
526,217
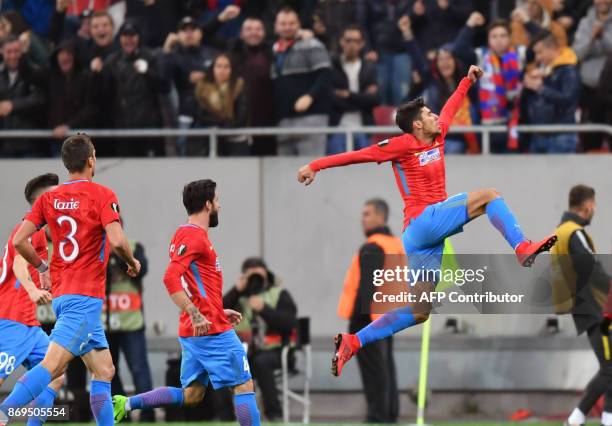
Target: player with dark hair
x,y
23,341
83,218
430,216
212,351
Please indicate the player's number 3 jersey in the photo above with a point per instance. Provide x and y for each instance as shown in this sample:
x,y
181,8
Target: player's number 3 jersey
x,y
76,213
195,268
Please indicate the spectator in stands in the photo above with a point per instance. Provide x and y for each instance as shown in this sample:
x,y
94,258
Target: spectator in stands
x,y
269,317
436,22
301,75
355,86
22,99
552,93
12,23
569,12
532,17
499,87
92,54
125,325
186,59
436,82
331,17
132,81
592,44
69,94
94,51
221,96
376,363
252,56
379,19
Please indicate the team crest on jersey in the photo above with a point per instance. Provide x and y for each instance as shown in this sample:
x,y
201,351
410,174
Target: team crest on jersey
x,y
115,207
181,250
430,156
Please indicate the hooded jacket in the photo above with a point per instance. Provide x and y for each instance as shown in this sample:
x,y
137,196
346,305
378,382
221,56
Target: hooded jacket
x,y
69,97
557,101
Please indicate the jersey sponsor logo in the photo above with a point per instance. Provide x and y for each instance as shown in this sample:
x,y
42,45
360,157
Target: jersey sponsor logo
x,y
430,156
66,205
115,207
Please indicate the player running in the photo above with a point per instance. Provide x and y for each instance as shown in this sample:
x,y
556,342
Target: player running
x,y
212,351
417,158
23,341
83,218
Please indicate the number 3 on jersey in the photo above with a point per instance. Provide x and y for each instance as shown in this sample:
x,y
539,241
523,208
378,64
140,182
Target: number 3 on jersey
x,y
69,239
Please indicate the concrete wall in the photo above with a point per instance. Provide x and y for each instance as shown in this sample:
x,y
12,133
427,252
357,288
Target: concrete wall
x,y
308,235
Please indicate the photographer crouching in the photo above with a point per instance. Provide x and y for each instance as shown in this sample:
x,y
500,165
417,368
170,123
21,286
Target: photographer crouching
x,y
268,322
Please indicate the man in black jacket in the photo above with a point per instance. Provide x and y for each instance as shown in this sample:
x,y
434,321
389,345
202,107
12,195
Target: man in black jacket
x,y
70,102
22,100
354,82
301,75
581,275
269,317
132,80
376,363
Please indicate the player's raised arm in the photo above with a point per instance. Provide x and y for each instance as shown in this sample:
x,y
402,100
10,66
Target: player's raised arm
x,y
120,245
386,150
453,104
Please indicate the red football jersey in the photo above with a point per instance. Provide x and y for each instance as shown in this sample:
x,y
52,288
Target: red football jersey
x,y
15,304
195,268
77,212
418,168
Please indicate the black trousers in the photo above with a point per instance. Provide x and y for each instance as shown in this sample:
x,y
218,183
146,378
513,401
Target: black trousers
x,y
263,364
601,383
379,378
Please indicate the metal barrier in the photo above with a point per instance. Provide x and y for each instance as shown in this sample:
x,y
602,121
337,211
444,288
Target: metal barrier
x,y
214,133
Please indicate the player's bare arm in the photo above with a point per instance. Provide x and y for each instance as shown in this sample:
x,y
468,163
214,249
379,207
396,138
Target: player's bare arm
x,y
120,244
306,175
199,322
36,295
23,245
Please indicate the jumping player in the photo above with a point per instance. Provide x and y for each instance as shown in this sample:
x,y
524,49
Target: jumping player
x,y
212,351
23,341
417,158
83,218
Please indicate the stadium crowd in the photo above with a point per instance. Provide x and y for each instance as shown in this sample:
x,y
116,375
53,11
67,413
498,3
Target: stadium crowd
x,y
83,64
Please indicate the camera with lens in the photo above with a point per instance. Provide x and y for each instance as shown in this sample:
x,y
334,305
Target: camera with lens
x,y
256,284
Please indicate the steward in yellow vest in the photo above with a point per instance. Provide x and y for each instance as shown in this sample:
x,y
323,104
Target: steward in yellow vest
x,y
580,284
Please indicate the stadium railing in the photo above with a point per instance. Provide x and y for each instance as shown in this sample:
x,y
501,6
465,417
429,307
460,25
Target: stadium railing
x,y
215,133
